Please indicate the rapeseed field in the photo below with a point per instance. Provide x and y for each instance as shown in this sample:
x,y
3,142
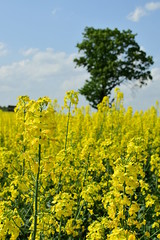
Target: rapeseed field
x,y
70,173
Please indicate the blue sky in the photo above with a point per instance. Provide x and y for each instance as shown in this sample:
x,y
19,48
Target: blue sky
x,y
38,44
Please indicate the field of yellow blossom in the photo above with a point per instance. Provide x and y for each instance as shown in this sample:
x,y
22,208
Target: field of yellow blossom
x,y
68,173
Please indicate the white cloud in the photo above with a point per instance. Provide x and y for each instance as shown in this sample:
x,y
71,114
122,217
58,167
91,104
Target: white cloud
x,y
137,14
145,97
142,11
50,73
5,88
40,73
142,48
3,49
156,73
152,6
54,11
29,51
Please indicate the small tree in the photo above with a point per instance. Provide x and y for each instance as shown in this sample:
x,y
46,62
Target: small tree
x,y
111,57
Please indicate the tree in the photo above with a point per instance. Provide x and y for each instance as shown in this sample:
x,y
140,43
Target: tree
x,y
111,57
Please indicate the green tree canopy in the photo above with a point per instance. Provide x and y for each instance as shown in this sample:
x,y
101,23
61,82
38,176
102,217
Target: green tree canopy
x,y
111,57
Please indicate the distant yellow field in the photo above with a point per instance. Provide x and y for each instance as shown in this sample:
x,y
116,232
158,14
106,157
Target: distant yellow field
x,y
7,126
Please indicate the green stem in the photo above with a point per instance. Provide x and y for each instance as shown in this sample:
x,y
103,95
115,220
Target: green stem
x,y
24,147
24,129
36,189
67,126
23,172
79,208
59,183
36,196
59,235
124,207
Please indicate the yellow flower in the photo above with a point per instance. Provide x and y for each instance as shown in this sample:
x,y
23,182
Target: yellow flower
x,y
72,97
155,224
132,237
147,234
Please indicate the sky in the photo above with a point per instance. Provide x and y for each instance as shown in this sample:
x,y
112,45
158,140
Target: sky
x,y
38,44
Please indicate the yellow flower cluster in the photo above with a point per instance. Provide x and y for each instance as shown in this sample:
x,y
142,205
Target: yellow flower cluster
x,y
79,175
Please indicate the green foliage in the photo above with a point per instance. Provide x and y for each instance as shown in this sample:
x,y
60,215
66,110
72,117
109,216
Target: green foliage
x,y
3,108
111,57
